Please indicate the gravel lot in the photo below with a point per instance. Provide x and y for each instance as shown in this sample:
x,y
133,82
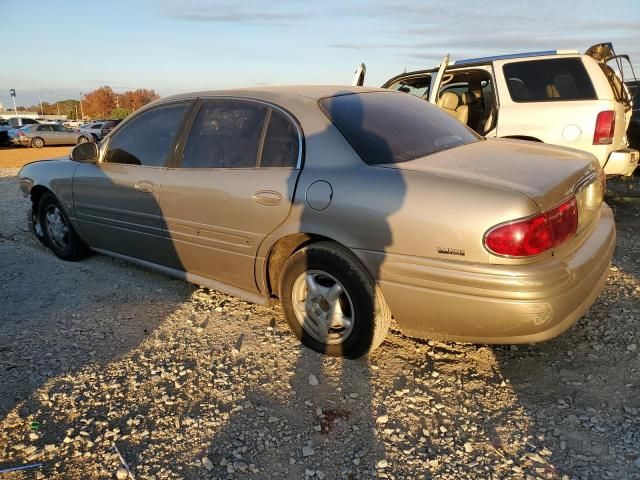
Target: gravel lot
x,y
192,384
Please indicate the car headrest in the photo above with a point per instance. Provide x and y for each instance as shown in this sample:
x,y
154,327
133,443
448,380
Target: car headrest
x,y
449,100
552,91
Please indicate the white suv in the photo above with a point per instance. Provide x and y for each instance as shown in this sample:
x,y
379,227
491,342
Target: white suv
x,y
558,97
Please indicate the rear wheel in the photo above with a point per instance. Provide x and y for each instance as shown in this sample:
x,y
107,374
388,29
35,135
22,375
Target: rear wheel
x,y
331,303
57,231
37,142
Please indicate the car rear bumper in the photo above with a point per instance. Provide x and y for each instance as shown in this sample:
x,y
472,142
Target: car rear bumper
x,y
476,303
622,162
21,141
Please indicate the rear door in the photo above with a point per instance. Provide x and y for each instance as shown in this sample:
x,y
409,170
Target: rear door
x,y
233,186
46,133
117,200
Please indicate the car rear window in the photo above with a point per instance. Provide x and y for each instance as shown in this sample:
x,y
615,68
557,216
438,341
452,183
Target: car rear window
x,y
557,79
387,127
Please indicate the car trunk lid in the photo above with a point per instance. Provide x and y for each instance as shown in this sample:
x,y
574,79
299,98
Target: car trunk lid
x,y
546,174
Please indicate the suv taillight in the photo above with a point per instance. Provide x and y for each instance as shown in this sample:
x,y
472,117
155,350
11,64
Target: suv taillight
x,y
605,127
535,235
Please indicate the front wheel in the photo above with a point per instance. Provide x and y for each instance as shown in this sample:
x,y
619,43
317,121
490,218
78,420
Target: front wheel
x,y
82,139
57,231
37,142
331,303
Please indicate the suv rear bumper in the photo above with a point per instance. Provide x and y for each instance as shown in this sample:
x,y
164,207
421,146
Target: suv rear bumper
x,y
477,303
622,162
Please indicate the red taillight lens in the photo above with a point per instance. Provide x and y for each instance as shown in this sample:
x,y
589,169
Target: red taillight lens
x,y
20,134
535,235
605,127
563,221
521,239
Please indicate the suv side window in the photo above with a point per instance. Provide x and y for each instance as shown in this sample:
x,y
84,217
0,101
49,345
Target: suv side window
x,y
557,79
225,134
147,139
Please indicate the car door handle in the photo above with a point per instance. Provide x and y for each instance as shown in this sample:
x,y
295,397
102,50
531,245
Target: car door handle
x,y
267,197
144,186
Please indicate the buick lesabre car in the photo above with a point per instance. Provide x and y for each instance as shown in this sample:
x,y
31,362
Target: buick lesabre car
x,y
350,205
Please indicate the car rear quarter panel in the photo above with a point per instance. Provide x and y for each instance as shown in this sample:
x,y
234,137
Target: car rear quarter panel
x,y
384,211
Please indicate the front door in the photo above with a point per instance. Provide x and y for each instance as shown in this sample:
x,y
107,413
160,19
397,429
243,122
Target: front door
x,y
117,199
234,186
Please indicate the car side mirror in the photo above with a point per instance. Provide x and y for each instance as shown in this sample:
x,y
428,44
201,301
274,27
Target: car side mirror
x,y
85,152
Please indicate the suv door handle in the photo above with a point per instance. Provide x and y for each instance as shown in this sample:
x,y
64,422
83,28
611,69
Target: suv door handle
x,y
144,186
267,197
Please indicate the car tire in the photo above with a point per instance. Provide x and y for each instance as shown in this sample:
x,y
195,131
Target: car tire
x,y
57,231
37,142
83,139
331,303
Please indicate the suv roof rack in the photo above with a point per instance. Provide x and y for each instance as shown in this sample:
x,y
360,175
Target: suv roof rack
x,y
514,55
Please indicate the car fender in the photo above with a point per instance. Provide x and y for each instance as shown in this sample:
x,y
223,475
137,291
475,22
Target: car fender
x,y
54,175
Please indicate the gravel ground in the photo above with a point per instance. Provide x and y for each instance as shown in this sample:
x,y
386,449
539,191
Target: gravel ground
x,y
192,384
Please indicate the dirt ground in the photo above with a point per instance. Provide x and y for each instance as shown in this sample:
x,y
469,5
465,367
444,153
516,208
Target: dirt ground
x,y
191,384
16,157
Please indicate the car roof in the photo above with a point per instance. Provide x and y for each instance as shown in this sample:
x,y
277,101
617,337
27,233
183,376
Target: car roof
x,y
313,92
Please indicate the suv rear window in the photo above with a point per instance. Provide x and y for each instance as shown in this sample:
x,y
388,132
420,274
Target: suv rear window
x,y
557,79
386,127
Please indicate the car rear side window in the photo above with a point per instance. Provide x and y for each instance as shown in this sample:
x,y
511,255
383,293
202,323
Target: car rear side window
x,y
281,146
557,79
147,139
385,127
225,134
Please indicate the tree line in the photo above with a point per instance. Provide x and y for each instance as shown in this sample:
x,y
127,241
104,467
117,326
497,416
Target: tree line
x,y
102,103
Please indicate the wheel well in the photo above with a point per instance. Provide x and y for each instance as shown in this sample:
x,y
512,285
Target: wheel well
x,y
280,253
524,137
37,192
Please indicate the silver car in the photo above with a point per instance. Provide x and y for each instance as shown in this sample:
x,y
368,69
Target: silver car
x,y
41,135
350,205
94,129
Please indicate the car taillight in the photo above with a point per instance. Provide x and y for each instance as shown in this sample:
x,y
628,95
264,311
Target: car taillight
x,y
20,134
605,127
532,236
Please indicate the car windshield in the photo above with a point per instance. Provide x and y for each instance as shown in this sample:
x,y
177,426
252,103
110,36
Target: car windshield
x,y
387,127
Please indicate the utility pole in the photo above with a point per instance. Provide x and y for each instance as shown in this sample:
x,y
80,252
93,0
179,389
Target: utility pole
x,y
41,109
81,109
76,111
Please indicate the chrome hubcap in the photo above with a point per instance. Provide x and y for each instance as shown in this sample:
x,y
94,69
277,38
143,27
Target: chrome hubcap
x,y
323,307
57,227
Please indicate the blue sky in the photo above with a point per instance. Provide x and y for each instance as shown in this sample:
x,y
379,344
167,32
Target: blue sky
x,y
65,47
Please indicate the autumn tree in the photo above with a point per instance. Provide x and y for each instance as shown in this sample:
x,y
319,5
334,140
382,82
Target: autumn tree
x,y
134,99
99,103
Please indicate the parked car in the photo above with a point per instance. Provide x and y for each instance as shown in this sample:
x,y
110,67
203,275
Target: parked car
x,y
94,129
558,97
109,125
348,204
38,136
21,121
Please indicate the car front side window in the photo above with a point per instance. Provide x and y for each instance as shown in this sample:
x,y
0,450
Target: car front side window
x,y
147,139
